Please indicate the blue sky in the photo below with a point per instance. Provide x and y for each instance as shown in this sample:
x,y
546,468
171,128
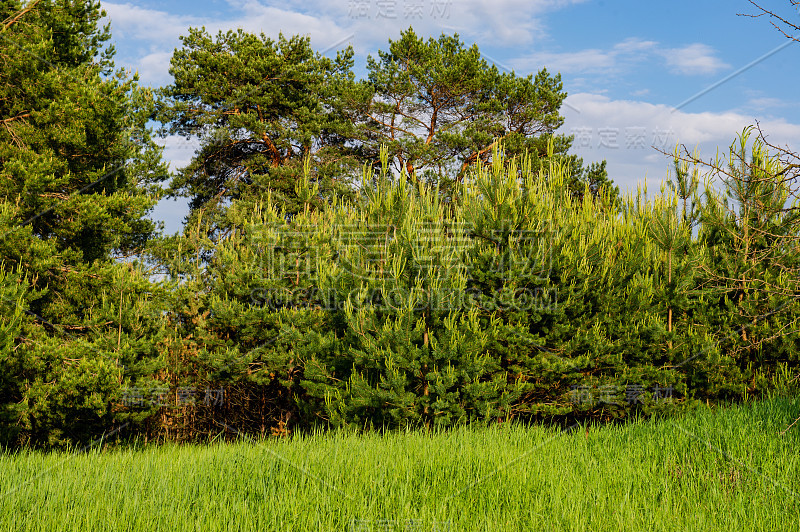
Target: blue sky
x,y
629,67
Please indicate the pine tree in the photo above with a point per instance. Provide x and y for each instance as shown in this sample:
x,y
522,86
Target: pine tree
x,y
259,108
750,228
439,107
78,174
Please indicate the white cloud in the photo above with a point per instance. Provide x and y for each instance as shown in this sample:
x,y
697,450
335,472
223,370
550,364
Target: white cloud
x,y
697,58
693,59
591,60
624,131
178,151
503,22
161,27
153,68
584,61
156,27
633,46
260,18
762,105
158,31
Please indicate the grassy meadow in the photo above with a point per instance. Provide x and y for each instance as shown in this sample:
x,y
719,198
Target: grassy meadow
x,y
714,469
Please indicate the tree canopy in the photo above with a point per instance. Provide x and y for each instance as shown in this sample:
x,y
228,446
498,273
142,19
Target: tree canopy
x,y
78,175
259,107
440,107
416,248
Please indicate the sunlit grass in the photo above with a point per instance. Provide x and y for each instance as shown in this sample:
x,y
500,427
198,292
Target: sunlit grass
x,y
727,469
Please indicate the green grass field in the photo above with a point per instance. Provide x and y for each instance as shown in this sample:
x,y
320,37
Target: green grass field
x,y
725,469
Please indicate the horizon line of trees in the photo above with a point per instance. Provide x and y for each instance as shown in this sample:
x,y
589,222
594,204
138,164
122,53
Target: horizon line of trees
x,y
415,249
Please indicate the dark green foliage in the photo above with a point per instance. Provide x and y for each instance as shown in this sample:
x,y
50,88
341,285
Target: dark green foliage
x,y
78,174
412,353
259,108
521,301
440,107
491,277
749,231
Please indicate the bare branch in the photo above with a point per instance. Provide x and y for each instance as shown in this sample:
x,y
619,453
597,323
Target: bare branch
x,y
774,15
